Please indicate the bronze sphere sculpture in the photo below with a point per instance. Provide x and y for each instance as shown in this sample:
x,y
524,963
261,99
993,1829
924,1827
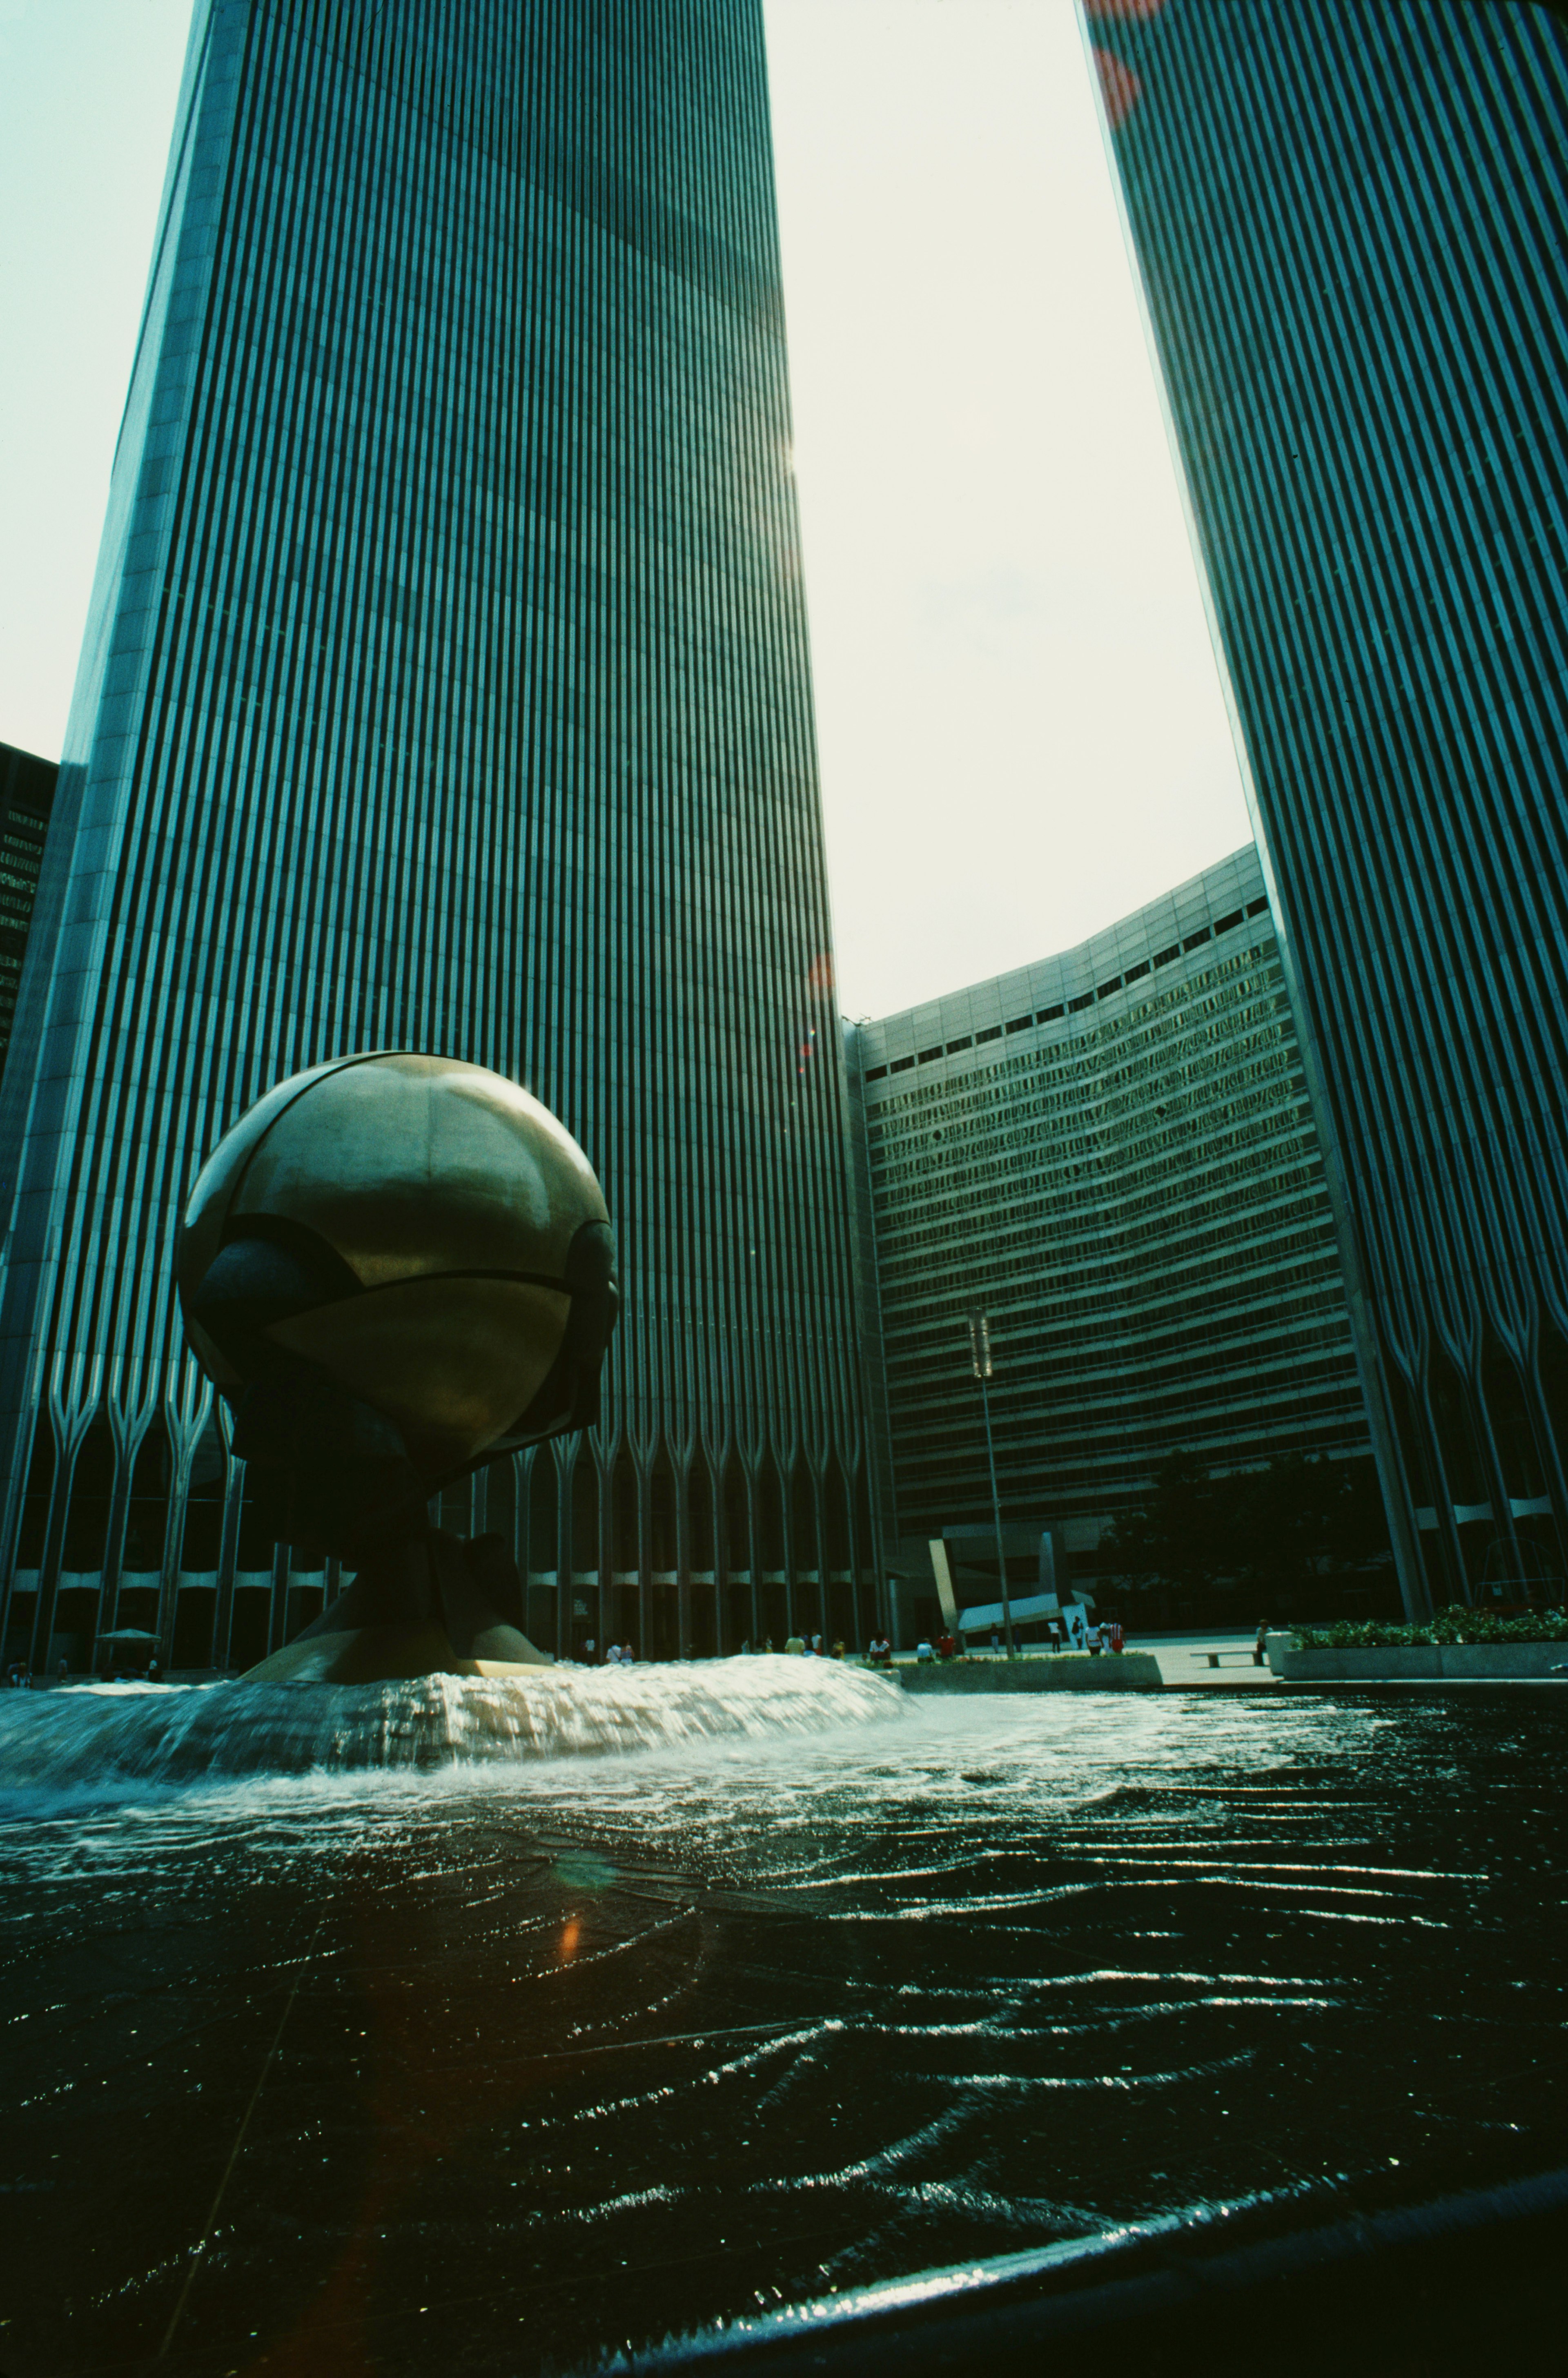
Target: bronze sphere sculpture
x,y
396,1267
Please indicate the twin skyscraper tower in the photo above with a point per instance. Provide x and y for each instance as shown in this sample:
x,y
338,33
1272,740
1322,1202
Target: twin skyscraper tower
x,y
447,687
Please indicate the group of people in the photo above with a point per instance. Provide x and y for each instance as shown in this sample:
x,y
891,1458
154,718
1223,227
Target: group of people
x,y
1096,1638
803,1647
20,1678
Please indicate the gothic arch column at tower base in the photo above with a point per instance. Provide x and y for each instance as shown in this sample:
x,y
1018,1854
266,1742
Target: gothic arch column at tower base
x,y
215,1620
624,1572
1483,1448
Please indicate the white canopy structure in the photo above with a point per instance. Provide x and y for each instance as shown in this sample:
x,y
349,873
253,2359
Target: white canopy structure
x,y
1026,1607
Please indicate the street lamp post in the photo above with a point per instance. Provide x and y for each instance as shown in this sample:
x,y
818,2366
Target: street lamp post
x,y
895,1579
980,1363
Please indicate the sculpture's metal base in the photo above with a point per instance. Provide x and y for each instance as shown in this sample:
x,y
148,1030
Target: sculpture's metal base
x,y
372,1655
433,1608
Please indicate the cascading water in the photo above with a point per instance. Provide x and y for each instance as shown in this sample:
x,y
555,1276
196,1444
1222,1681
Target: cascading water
x,y
170,1733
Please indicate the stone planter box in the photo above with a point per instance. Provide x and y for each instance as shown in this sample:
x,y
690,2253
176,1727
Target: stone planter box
x,y
1132,1672
1478,1662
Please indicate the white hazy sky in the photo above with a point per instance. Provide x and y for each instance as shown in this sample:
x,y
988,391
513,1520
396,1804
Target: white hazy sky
x,y
1022,731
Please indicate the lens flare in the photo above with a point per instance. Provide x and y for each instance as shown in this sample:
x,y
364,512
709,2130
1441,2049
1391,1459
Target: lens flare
x,y
1121,87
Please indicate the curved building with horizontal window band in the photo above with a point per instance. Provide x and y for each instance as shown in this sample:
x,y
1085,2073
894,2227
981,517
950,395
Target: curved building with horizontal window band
x,y
1111,1153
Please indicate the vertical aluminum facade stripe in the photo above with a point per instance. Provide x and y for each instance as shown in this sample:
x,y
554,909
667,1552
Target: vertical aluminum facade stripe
x,y
880,1478
1350,230
447,687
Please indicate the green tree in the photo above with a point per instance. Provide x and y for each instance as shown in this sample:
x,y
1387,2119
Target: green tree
x,y
1307,1518
1302,1517
1174,1537
1280,1524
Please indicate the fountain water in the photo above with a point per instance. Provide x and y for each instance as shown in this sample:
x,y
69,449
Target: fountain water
x,y
93,1735
515,2063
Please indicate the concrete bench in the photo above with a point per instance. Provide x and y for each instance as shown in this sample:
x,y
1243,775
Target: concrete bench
x,y
1214,1658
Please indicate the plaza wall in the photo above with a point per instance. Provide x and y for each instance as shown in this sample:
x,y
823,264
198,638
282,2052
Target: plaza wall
x,y
1349,219
446,687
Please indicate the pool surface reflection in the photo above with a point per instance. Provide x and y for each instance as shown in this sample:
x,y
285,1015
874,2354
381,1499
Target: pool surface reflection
x,y
505,2067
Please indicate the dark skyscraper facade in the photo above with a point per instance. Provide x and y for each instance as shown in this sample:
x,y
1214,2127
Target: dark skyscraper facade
x,y
1351,217
27,795
447,688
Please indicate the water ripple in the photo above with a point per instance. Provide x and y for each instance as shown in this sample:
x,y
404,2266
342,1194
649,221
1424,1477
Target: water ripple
x,y
785,1996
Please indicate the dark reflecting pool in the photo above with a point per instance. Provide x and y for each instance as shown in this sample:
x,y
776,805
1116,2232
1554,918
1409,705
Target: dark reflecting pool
x,y
501,2068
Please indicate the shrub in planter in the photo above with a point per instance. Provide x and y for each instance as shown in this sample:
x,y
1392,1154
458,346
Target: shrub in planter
x,y
1457,1624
